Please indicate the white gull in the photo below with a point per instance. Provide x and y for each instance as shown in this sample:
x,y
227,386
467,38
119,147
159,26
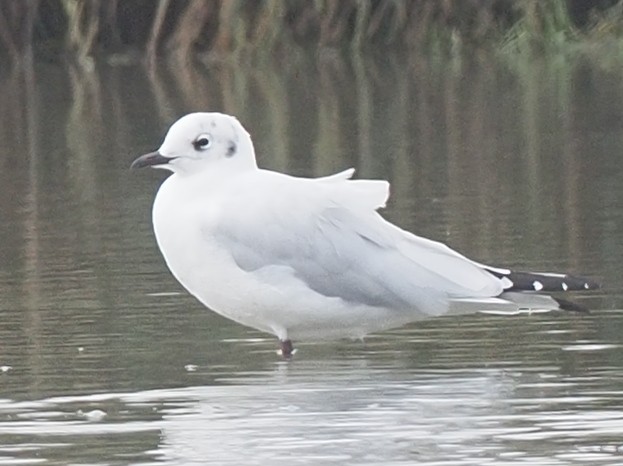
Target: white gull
x,y
310,259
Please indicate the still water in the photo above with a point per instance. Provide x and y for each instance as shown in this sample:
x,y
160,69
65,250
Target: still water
x,y
104,360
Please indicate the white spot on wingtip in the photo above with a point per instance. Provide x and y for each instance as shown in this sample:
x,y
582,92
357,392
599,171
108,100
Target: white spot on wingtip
x,y
564,286
538,286
586,286
507,283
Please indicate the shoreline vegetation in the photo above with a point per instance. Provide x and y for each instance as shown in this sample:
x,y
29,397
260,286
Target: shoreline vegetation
x,y
147,30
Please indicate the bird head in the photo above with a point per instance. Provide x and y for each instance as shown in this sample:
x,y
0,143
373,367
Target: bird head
x,y
199,141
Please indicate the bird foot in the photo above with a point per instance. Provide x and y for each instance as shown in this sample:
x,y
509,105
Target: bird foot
x,y
286,349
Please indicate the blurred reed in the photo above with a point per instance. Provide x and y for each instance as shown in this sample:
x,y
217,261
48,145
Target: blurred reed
x,y
122,29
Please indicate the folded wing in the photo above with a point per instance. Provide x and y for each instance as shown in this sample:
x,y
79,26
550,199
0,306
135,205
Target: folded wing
x,y
327,234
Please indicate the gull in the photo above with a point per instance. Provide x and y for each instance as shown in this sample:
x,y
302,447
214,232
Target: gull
x,y
311,258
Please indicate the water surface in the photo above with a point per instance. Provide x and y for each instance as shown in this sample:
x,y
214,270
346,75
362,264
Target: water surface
x,y
105,360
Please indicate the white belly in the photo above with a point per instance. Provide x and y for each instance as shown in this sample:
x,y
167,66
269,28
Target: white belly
x,y
271,299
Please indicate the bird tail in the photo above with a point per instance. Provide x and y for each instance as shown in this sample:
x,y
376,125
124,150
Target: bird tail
x,y
542,281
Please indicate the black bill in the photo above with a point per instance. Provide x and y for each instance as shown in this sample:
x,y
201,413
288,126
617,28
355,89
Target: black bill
x,y
150,160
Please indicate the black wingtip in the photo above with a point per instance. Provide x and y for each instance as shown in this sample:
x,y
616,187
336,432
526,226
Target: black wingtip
x,y
544,282
591,284
567,305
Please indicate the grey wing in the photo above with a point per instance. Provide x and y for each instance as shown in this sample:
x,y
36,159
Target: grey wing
x,y
360,258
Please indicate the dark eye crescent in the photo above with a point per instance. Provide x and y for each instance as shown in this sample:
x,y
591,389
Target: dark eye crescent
x,y
202,142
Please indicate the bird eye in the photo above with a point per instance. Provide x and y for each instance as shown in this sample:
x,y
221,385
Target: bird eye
x,y
202,142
